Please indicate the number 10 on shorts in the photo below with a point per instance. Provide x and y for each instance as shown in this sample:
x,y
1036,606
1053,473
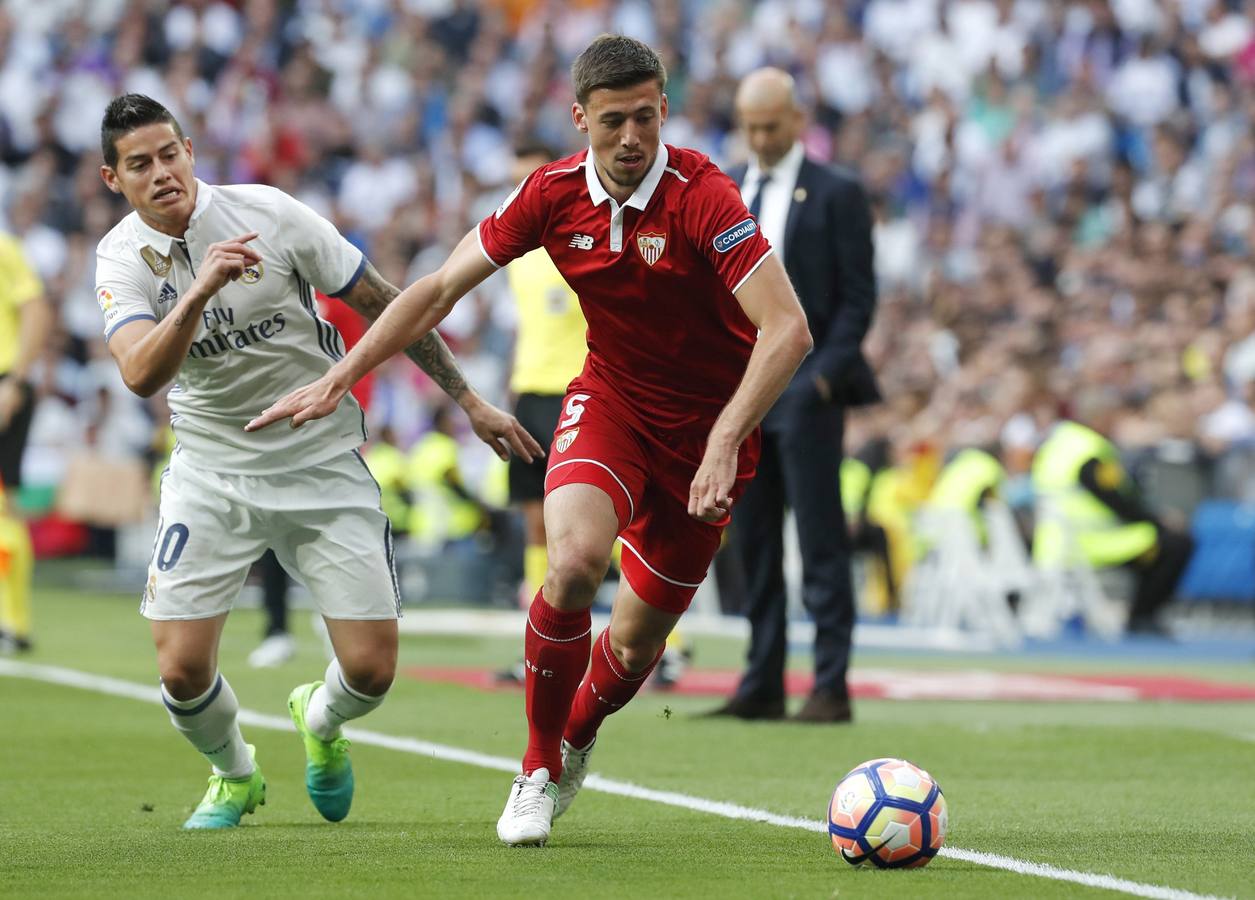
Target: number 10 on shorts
x,y
170,546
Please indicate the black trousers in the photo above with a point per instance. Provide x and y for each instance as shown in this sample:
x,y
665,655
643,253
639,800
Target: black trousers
x,y
799,469
13,440
1157,580
274,593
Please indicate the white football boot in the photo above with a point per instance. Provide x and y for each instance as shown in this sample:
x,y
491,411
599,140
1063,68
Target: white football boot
x,y
274,651
528,814
574,771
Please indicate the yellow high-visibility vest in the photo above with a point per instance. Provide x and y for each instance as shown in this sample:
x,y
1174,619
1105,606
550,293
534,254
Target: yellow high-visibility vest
x,y
387,464
438,513
1072,524
18,286
964,481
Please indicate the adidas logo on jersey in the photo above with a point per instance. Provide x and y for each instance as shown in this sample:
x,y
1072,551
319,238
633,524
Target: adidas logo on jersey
x,y
582,242
167,294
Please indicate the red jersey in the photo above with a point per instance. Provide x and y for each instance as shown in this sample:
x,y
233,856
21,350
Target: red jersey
x,y
655,276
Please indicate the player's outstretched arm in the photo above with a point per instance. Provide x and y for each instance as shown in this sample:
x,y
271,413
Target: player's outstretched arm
x,y
784,339
148,354
370,296
413,313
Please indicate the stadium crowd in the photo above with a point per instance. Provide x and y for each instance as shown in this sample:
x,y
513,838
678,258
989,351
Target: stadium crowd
x,y
1062,190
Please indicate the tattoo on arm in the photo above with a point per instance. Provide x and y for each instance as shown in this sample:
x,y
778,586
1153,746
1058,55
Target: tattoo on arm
x,y
431,354
371,296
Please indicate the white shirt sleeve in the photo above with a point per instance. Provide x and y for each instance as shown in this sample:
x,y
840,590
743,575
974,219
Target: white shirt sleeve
x,y
318,252
122,292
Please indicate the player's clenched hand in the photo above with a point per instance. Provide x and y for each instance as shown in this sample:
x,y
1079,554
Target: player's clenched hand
x,y
710,497
226,261
500,430
315,400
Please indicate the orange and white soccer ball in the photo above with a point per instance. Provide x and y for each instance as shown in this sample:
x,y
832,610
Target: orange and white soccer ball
x,y
887,812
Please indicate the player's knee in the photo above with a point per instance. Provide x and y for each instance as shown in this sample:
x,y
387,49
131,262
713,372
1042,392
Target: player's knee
x,y
637,657
186,679
575,572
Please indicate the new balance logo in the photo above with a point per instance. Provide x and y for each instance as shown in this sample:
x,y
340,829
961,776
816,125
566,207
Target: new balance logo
x,y
582,242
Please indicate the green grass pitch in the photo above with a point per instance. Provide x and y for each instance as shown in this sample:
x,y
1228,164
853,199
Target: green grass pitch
x,y
94,787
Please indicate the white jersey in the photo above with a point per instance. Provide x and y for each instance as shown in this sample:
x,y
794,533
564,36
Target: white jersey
x,y
260,336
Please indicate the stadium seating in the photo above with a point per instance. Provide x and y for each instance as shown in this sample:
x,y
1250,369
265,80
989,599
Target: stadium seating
x,y
1223,565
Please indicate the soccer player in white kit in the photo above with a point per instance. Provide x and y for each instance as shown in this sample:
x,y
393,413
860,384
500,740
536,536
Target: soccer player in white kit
x,y
213,287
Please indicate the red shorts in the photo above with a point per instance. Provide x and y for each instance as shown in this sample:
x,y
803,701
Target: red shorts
x,y
601,441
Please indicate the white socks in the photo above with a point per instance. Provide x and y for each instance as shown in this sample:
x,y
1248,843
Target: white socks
x,y
209,723
335,703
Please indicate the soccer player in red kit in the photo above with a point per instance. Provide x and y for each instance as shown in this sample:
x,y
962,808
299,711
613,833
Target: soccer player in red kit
x,y
693,332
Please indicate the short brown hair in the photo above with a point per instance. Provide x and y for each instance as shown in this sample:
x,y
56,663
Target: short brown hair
x,y
615,61
125,114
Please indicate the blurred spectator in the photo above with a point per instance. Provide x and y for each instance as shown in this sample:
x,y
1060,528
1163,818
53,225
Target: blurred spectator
x,y
1091,513
445,515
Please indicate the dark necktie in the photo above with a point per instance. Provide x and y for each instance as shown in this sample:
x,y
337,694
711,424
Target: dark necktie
x,y
756,204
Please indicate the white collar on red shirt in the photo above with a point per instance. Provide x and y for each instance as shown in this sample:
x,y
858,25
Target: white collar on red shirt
x,y
159,240
640,197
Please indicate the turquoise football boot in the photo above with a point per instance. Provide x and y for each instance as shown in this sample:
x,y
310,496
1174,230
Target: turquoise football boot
x,y
229,799
328,771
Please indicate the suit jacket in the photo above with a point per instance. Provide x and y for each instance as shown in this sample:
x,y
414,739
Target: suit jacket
x,y
829,258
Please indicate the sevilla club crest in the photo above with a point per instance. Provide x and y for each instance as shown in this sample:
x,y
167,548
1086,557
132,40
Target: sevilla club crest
x,y
565,440
651,246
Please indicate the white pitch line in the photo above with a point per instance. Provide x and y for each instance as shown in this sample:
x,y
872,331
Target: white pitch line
x,y
150,694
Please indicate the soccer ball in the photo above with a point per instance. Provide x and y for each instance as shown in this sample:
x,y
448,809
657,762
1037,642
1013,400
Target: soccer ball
x,y
890,812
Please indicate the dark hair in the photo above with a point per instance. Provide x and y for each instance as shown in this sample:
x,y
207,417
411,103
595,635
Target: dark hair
x,y
126,113
615,61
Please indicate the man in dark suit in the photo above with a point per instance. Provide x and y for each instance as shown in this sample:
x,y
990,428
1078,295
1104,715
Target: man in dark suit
x,y
819,221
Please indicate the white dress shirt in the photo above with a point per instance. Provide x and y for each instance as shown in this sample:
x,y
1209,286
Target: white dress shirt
x,y
774,209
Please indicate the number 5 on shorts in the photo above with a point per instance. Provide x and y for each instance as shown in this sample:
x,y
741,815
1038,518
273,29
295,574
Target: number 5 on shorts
x,y
574,410
170,547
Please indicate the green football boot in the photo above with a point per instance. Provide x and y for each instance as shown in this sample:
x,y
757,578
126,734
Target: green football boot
x,y
228,799
328,771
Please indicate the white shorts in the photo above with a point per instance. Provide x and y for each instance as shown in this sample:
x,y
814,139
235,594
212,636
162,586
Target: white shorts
x,y
323,522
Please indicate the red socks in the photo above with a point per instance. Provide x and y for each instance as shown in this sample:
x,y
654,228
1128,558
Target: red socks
x,y
555,655
606,688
